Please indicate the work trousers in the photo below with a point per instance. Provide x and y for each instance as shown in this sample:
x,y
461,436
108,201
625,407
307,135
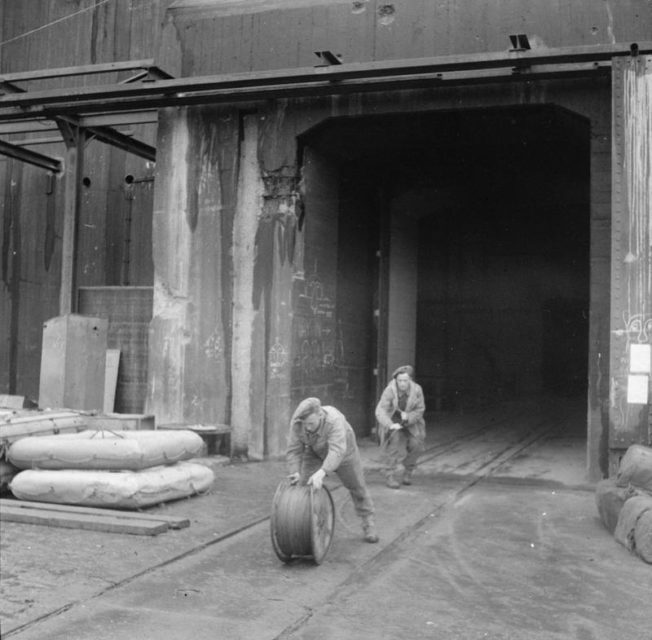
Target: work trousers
x,y
351,474
401,447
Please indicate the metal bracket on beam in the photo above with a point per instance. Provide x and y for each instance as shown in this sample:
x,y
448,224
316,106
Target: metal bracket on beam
x,y
520,42
9,87
328,58
69,131
148,75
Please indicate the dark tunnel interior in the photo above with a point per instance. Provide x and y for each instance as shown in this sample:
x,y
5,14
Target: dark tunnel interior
x,y
500,202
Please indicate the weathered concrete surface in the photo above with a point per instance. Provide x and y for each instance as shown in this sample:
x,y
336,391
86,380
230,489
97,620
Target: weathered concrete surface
x,y
520,555
504,561
46,568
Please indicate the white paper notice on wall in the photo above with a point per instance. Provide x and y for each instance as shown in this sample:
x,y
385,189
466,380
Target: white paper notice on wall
x,y
637,389
639,358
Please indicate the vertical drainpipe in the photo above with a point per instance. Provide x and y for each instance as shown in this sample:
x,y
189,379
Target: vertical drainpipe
x,y
12,263
248,207
74,139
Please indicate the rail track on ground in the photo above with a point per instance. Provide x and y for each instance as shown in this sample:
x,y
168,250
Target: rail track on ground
x,y
484,463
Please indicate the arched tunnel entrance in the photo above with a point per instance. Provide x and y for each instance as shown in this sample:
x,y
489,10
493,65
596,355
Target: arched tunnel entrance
x,y
463,246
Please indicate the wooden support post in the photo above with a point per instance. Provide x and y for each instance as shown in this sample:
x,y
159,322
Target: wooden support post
x,y
74,162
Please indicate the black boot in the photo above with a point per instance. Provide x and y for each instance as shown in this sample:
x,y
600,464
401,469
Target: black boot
x,y
369,528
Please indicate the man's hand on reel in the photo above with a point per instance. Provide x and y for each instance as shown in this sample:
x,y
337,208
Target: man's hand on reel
x,y
316,479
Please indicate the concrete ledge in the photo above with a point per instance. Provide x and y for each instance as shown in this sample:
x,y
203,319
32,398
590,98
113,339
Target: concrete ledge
x,y
216,436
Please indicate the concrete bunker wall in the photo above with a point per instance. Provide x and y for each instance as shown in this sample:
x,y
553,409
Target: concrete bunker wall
x,y
299,284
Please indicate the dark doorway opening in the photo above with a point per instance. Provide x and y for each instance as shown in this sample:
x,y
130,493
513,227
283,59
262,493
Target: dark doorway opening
x,y
473,229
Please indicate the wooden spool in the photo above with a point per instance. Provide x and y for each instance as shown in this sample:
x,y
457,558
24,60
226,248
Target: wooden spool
x,y
302,522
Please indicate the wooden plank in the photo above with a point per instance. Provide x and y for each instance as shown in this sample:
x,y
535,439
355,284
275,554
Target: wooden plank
x,y
172,521
82,521
13,428
111,378
218,429
48,417
123,422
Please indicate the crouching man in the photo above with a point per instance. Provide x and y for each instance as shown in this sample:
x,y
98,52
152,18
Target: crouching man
x,y
321,441
402,428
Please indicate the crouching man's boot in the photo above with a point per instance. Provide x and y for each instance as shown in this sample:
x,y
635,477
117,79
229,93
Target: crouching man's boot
x,y
392,482
369,528
407,476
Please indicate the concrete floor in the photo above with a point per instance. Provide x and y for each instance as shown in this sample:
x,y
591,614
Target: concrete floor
x,y
498,538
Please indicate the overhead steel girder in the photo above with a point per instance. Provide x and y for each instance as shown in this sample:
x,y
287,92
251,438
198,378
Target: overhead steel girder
x,y
121,141
102,133
328,80
251,95
108,67
43,125
108,135
31,157
99,130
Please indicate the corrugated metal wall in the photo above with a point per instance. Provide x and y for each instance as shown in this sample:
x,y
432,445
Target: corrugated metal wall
x,y
245,35
114,233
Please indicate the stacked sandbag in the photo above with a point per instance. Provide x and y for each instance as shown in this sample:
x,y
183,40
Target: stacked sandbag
x,y
625,503
116,469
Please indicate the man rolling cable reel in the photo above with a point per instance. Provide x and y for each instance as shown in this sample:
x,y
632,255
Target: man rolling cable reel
x,y
322,441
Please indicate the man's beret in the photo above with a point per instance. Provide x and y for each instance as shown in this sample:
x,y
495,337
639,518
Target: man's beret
x,y
406,368
306,407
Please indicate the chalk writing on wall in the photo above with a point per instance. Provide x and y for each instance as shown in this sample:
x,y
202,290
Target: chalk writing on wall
x,y
315,332
278,357
213,346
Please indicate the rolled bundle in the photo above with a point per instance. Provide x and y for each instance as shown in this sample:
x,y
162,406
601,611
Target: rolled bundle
x,y
643,536
636,468
302,522
610,500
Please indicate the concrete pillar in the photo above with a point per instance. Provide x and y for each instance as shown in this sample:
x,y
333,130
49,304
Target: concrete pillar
x,y
189,345
631,257
247,375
